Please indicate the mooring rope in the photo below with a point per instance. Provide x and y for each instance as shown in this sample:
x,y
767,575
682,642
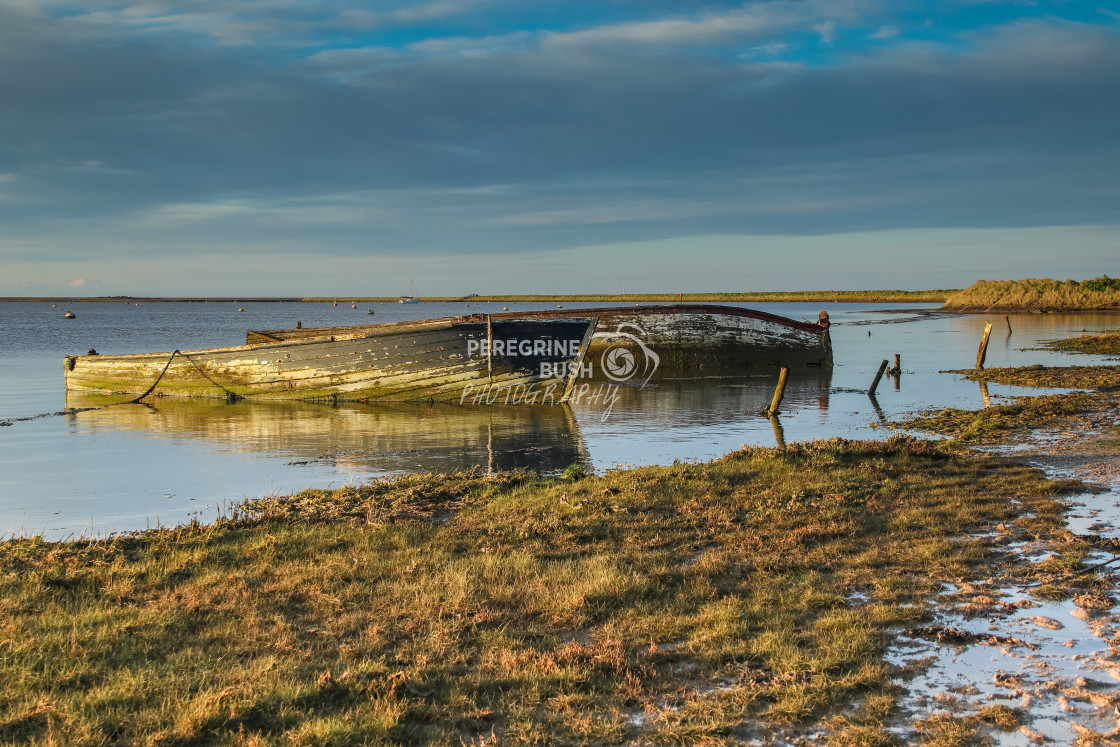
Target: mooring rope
x,y
154,383
134,400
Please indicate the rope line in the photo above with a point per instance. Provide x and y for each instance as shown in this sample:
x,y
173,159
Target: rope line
x,y
154,383
134,400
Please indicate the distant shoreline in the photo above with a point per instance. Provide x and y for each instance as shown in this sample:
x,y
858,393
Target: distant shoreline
x,y
870,296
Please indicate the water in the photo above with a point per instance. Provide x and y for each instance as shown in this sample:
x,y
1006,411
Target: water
x,y
131,466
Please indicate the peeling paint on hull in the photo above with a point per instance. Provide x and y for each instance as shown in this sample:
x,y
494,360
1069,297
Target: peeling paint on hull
x,y
435,360
691,337
686,337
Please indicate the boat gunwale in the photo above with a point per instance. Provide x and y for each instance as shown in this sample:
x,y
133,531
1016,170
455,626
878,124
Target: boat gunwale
x,y
321,335
665,309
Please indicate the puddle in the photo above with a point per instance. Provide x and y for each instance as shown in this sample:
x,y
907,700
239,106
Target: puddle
x,y
1064,680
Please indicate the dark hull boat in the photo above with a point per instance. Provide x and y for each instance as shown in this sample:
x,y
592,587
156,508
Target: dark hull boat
x,y
692,338
450,359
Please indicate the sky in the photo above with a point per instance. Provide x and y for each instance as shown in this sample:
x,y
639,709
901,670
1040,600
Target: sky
x,y
318,148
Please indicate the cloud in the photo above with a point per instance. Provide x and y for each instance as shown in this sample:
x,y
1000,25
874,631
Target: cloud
x,y
478,136
751,21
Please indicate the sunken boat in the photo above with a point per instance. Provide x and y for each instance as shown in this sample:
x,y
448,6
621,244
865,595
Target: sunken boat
x,y
699,338
531,360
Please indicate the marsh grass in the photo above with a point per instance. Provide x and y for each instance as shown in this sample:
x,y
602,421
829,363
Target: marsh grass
x,y
1011,422
1102,343
1100,378
693,603
1035,295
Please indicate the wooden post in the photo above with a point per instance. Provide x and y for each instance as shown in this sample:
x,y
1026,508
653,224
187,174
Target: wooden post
x,y
879,375
775,403
983,345
897,364
1008,320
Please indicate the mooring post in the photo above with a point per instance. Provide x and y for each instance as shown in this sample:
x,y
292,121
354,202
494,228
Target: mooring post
x,y
1008,320
775,403
878,376
983,345
897,364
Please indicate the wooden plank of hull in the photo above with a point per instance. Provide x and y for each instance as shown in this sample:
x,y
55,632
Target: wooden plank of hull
x,y
422,362
685,336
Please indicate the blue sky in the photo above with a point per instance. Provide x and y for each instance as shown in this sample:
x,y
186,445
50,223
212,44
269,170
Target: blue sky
x,y
323,148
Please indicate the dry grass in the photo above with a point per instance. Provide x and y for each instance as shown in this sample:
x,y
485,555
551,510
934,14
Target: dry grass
x,y
1035,295
714,599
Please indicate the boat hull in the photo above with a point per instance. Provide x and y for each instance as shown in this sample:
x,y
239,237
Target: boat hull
x,y
707,337
436,360
688,339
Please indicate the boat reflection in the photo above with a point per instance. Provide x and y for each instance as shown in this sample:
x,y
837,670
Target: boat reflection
x,y
384,438
710,400
392,438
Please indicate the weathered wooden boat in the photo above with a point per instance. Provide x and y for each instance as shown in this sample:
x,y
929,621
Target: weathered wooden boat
x,y
689,337
434,360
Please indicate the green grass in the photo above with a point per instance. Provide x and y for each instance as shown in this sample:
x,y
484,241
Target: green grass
x,y
1103,343
1036,295
1065,377
1003,423
713,598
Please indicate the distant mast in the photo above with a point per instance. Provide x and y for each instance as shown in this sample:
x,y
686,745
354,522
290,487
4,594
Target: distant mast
x,y
411,297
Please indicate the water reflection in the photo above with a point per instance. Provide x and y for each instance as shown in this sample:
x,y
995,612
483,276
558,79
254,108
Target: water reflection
x,y
700,401
364,439
121,468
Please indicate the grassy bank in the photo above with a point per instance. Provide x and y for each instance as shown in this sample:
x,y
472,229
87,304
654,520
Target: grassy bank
x,y
870,296
694,603
1103,343
1103,378
1102,293
1018,419
1003,423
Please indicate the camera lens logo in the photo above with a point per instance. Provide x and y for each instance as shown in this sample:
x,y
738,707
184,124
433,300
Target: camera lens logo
x,y
620,361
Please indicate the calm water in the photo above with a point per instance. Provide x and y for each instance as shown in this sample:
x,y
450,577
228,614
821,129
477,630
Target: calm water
x,y
129,466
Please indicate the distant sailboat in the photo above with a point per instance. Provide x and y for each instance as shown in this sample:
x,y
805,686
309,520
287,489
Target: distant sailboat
x,y
411,297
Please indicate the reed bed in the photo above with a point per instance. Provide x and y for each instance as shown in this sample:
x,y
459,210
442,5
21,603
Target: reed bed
x,y
1037,295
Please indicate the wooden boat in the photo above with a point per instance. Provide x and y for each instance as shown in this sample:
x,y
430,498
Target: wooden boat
x,y
691,338
434,360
